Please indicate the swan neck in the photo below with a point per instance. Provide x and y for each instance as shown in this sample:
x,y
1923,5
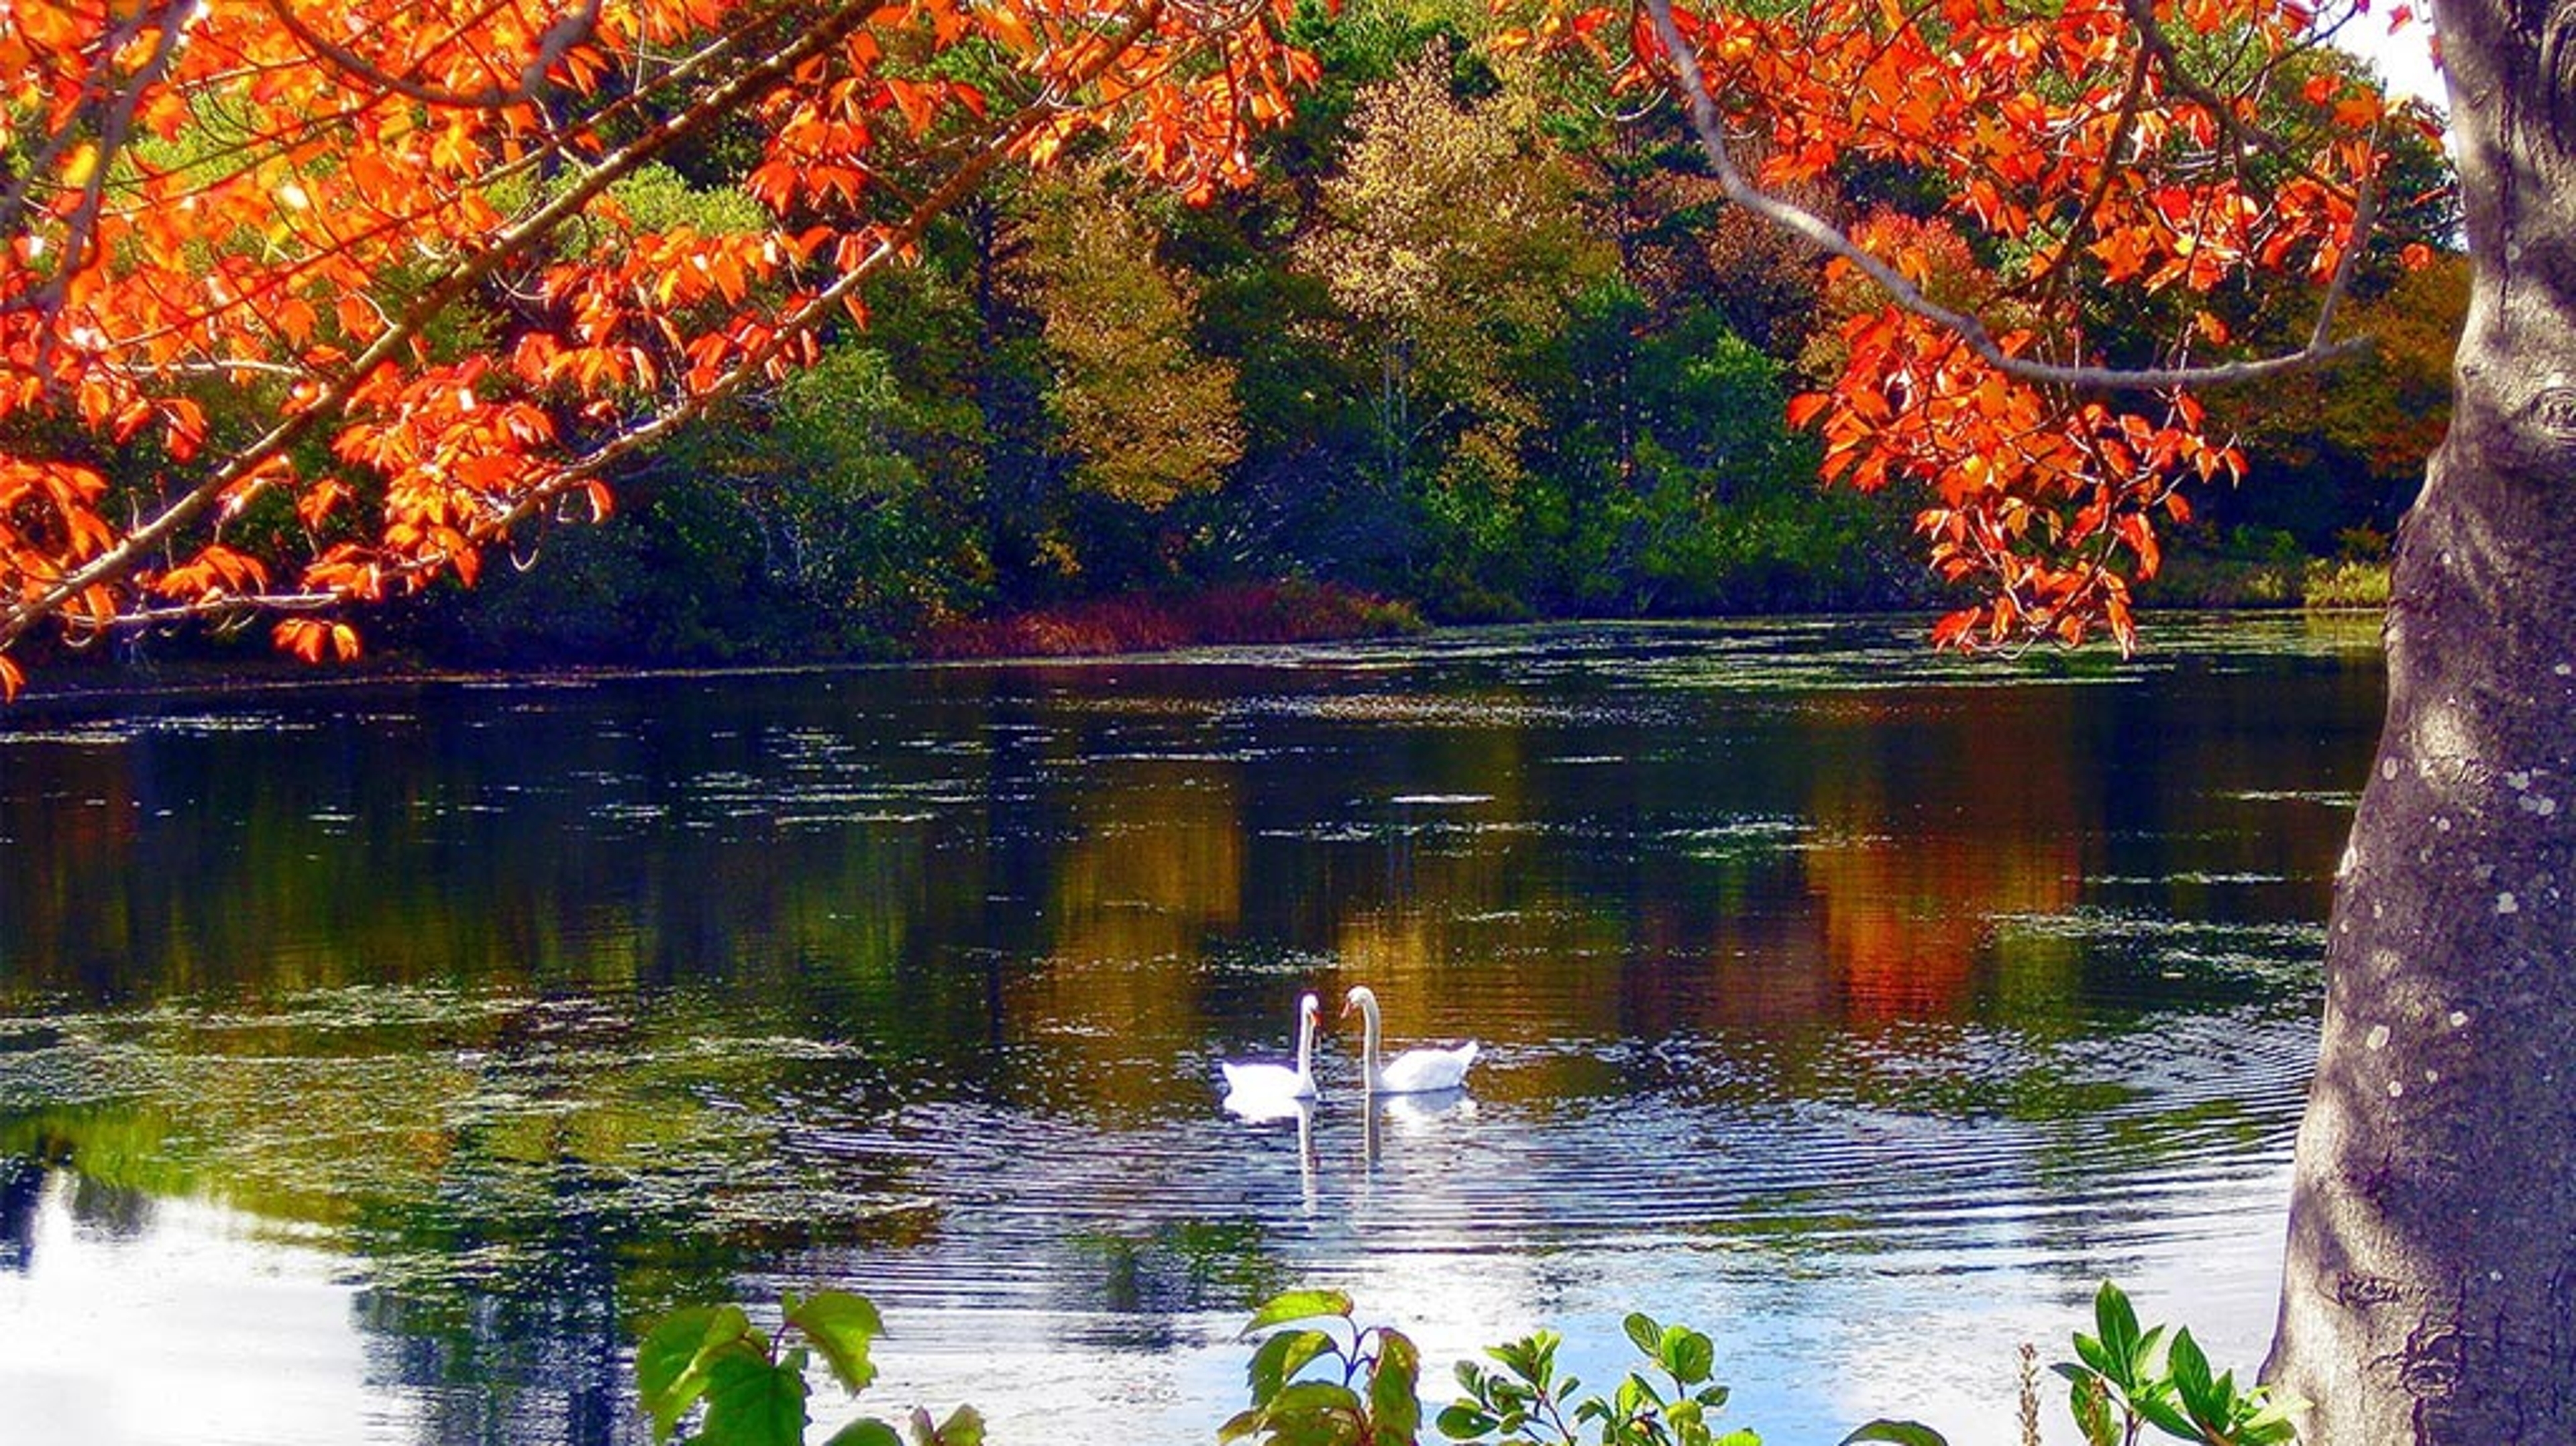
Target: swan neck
x,y
1368,1041
1305,1044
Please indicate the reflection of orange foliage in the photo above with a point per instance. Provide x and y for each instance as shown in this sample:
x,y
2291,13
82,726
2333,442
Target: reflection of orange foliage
x,y
1904,899
1159,868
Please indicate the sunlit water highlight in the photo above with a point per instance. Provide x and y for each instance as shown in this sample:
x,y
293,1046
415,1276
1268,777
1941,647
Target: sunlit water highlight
x,y
1862,1007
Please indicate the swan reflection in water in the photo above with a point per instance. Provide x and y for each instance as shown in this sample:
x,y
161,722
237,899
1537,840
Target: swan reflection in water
x,y
1385,1122
1260,1109
1412,1116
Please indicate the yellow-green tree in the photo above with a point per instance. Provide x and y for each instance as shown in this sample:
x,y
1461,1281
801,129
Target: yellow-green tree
x,y
1147,417
1451,237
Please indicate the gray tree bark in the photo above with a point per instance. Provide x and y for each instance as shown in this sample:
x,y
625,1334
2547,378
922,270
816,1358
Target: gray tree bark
x,y
2429,1293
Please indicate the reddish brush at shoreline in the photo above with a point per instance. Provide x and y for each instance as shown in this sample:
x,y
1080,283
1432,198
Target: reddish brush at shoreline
x,y
1289,612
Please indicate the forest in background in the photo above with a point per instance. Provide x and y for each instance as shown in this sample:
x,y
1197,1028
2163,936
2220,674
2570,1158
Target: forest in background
x,y
1479,345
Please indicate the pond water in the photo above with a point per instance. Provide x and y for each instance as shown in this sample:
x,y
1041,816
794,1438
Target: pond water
x,y
373,1061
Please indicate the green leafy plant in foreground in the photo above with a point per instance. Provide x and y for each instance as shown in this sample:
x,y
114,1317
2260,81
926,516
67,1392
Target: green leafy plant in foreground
x,y
2125,1379
753,1383
1527,1401
1375,1401
1320,1378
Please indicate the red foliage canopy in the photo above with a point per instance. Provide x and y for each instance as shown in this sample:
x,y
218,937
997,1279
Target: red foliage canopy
x,y
370,256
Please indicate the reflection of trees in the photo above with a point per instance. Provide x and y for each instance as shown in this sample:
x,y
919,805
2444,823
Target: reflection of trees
x,y
638,840
1927,832
1156,868
508,1317
521,1182
22,1188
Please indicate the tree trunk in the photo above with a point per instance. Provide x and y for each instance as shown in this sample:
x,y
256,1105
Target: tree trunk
x,y
2430,1287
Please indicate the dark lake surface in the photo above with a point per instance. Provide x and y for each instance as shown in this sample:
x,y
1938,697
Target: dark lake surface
x,y
373,1062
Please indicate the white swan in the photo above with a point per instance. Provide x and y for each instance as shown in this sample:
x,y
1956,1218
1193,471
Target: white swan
x,y
1414,1072
1278,1081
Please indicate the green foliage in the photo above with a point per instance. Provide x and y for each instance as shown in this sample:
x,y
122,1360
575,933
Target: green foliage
x,y
1664,479
1528,1401
2124,1376
1896,1433
658,198
796,527
2347,584
1319,1377
752,1385
1328,1381
1146,416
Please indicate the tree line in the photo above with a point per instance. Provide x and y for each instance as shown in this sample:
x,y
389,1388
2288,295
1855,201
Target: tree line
x,y
1480,339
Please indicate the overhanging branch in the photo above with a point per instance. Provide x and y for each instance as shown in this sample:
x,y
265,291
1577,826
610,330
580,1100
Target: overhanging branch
x,y
1710,129
130,552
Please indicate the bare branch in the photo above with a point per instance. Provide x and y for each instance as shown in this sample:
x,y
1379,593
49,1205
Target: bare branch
x,y
225,606
2365,218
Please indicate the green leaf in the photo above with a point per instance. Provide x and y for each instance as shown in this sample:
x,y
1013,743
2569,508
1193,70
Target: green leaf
x,y
2275,1410
751,1402
1394,1398
1280,1359
964,1427
1743,1436
1689,1355
2150,1362
1298,1305
1240,1425
1631,1396
1642,1329
1309,1398
1463,1422
2190,1371
841,1326
1532,1357
2158,1406
2117,1320
865,1431
1897,1433
670,1364
2262,1432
